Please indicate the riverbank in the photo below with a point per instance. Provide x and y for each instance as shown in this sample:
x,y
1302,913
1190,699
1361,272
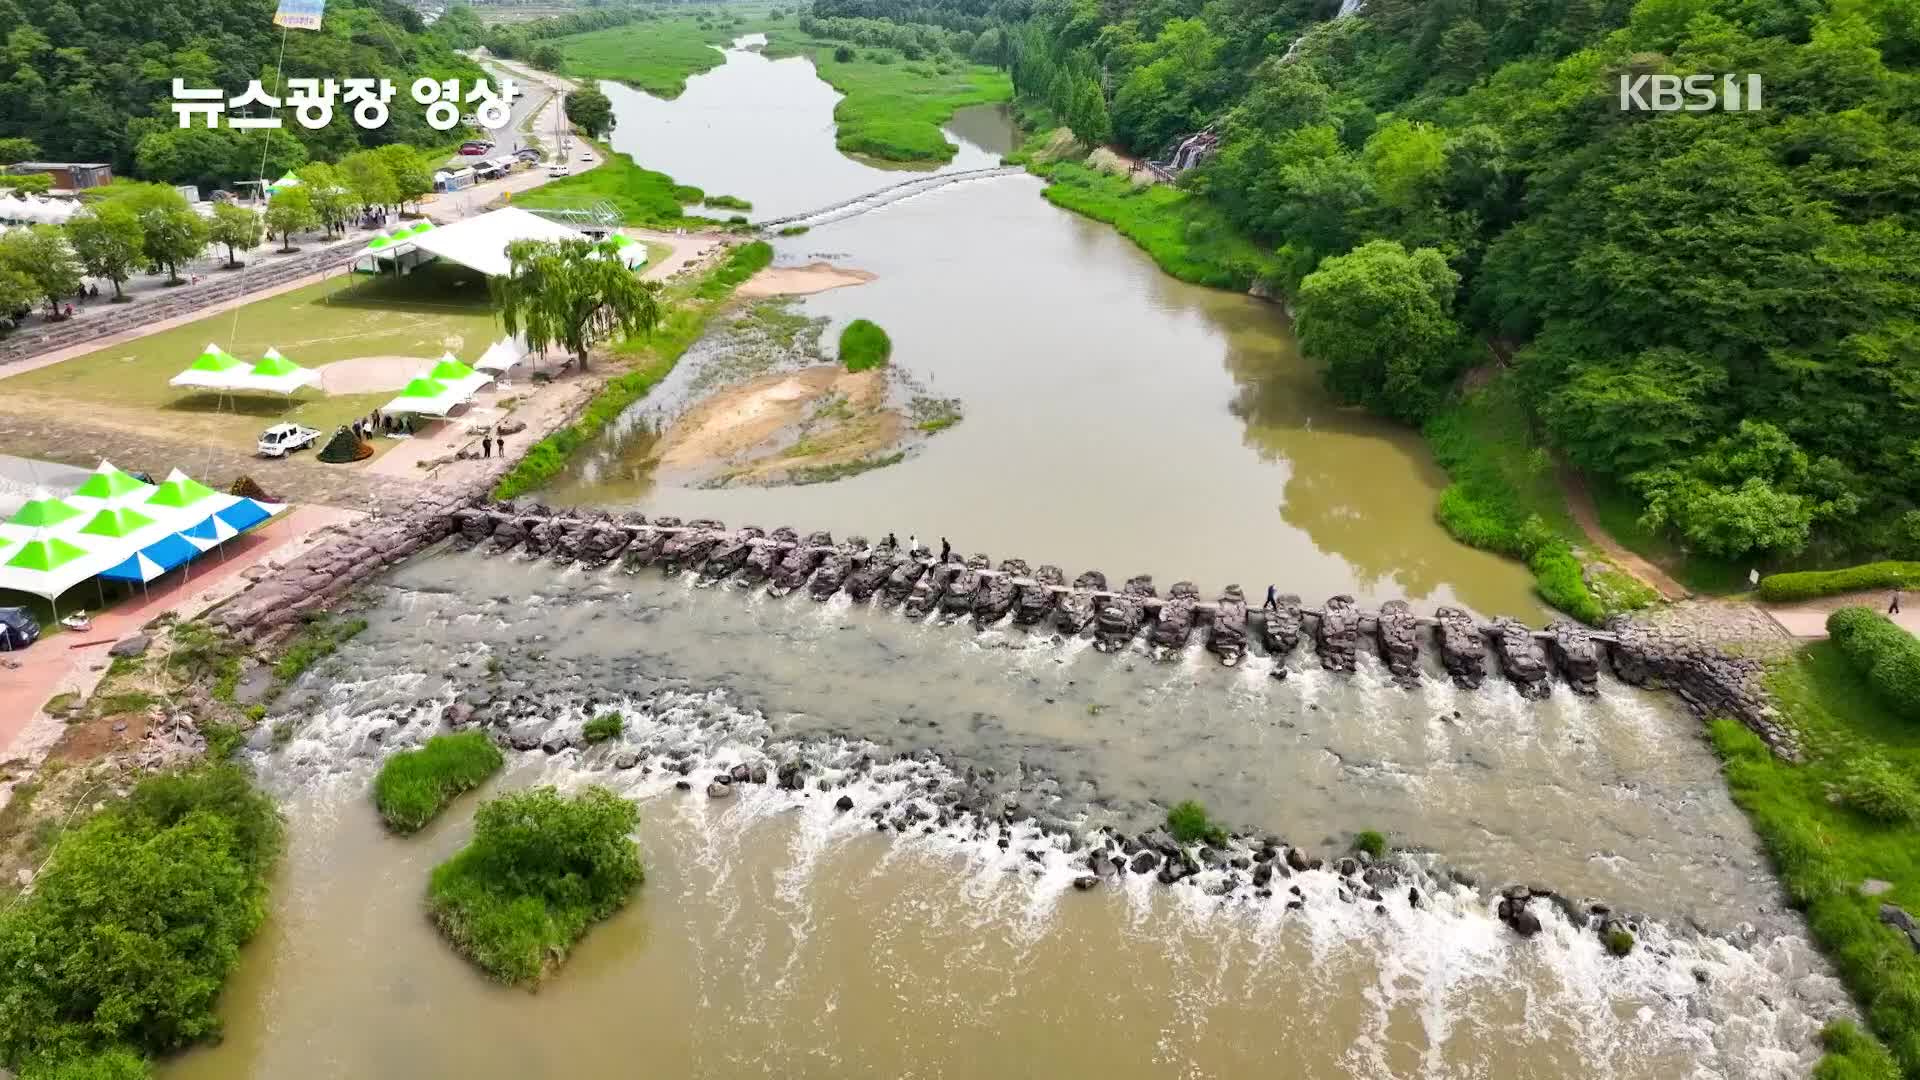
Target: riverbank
x,y
649,359
677,47
642,196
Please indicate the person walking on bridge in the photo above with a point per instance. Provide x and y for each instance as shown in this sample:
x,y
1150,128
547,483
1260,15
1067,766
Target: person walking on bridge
x,y
1893,606
1273,603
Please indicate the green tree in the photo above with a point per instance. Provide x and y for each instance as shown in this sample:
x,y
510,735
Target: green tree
x,y
411,173
1088,116
108,241
546,57
370,179
327,193
14,149
41,255
174,235
291,211
17,293
572,293
1381,319
591,111
235,227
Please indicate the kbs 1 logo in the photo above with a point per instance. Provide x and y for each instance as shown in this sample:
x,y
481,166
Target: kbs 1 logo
x,y
1690,93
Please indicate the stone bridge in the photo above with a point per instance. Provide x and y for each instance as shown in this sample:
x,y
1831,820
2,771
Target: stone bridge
x,y
975,589
860,204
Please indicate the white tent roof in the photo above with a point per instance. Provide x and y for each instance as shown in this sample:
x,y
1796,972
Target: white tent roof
x,y
501,355
481,242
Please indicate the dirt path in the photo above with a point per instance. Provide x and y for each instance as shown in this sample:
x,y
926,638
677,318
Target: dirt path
x,y
1580,505
1808,619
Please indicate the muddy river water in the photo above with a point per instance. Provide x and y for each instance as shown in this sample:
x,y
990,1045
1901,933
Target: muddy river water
x,y
1114,417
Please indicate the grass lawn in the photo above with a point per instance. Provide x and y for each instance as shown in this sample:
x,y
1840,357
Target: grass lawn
x,y
656,55
1824,848
423,314
642,196
1186,235
893,107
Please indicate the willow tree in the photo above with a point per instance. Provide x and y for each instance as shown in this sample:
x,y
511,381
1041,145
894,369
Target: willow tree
x,y
572,293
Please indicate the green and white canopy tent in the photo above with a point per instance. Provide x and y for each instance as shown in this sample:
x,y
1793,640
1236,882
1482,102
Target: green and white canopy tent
x,y
275,374
110,487
428,397
212,371
449,372
47,565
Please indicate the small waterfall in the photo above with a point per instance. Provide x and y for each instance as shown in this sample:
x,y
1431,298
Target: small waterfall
x,y
1347,8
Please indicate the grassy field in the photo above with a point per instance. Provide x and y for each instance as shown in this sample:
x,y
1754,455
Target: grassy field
x,y
1826,841
893,107
642,196
423,314
657,56
1186,236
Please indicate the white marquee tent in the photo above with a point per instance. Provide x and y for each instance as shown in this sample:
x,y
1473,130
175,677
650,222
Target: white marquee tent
x,y
481,242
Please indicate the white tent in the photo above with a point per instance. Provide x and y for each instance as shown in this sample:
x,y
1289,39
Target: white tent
x,y
501,355
481,242
426,397
214,370
274,374
451,373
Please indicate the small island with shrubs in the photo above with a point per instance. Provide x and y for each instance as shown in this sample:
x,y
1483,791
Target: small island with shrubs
x,y
415,785
863,345
541,869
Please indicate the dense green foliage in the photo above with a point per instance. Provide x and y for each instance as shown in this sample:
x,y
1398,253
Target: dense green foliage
x,y
1808,584
131,929
415,785
677,330
603,727
90,80
1852,1054
1885,655
540,870
1372,842
1504,498
1823,849
864,345
1381,319
1188,823
1711,305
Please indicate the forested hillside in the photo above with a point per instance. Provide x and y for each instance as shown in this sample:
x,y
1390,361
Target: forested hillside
x,y
1718,312
90,80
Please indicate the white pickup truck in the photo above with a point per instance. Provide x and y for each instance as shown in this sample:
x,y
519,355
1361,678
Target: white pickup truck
x,y
283,439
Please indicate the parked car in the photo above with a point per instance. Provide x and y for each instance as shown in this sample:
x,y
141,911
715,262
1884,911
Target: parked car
x,y
283,439
558,169
18,629
476,147
527,154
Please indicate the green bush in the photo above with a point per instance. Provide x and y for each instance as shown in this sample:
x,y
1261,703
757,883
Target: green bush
x,y
604,727
415,785
133,926
1371,842
540,870
729,202
864,345
1189,824
1619,942
1886,655
1809,584
1880,790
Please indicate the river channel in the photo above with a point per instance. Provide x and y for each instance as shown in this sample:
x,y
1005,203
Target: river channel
x,y
778,936
1115,418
